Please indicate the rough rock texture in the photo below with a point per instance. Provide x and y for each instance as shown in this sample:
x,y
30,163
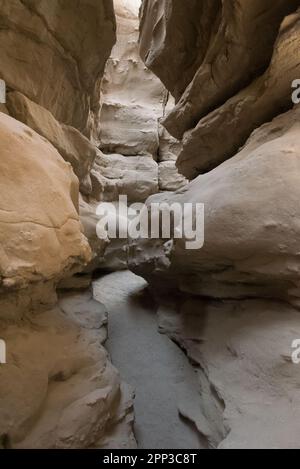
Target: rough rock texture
x,y
58,389
116,175
138,155
169,178
55,54
132,96
223,48
248,386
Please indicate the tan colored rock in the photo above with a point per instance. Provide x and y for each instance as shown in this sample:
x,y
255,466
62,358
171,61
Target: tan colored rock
x,y
70,143
55,54
220,134
251,224
98,244
40,235
58,388
4,109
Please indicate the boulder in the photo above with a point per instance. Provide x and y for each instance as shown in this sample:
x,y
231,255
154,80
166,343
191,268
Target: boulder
x,y
41,236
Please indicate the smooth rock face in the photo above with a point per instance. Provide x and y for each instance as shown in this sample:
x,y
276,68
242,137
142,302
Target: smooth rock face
x,y
55,54
251,213
69,142
58,389
230,47
248,385
40,236
220,134
231,77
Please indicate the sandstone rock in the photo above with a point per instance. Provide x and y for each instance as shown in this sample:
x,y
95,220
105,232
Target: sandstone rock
x,y
129,130
169,178
55,54
222,48
70,143
4,109
171,25
220,134
58,389
98,244
132,96
248,386
251,213
40,237
169,147
116,175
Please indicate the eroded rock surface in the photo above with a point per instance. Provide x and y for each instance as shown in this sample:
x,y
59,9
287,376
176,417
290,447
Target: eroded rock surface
x,y
41,237
247,384
55,54
233,304
251,213
58,389
224,47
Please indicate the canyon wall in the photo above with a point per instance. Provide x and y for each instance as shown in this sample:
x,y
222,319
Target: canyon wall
x,y
136,154
230,66
58,388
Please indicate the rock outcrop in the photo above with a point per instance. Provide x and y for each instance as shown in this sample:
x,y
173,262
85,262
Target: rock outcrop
x,y
137,156
247,384
70,143
232,82
55,55
58,388
251,212
224,47
41,237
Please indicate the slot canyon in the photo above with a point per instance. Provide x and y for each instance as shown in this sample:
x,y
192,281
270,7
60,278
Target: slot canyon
x,y
138,342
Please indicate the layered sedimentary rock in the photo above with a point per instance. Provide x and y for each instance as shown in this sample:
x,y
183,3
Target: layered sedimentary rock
x,y
70,143
251,213
235,116
116,175
229,47
58,388
55,54
137,156
132,97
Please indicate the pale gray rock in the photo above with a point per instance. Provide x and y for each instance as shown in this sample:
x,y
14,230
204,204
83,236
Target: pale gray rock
x,y
251,227
169,178
247,383
116,175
